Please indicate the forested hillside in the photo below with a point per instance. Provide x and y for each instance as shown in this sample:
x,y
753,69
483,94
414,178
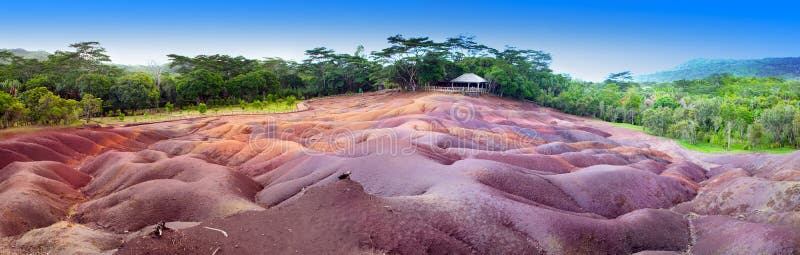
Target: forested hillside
x,y
38,55
787,68
721,110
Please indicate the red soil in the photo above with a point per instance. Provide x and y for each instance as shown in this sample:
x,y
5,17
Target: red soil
x,y
425,174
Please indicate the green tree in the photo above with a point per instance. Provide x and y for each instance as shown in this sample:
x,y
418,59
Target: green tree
x,y
134,91
223,65
96,84
666,102
66,67
168,90
199,86
47,108
405,55
755,133
633,99
685,129
11,87
707,117
245,86
202,108
622,79
31,97
6,102
14,114
777,122
657,121
40,80
90,106
796,129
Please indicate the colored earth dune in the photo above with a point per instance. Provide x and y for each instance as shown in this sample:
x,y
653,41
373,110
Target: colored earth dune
x,y
401,173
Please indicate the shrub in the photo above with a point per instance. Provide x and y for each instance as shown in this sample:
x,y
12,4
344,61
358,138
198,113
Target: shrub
x,y
257,105
168,107
270,98
666,102
202,108
291,100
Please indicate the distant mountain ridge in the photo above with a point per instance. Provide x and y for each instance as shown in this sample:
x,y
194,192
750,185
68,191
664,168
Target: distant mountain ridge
x,y
42,55
788,68
38,54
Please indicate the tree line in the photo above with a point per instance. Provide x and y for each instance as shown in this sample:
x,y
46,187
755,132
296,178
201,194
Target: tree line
x,y
52,91
721,109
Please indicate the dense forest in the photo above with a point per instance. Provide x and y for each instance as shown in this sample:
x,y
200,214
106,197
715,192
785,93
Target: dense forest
x,y
787,68
724,110
81,83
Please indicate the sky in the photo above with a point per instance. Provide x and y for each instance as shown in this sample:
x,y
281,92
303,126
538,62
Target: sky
x,y
587,39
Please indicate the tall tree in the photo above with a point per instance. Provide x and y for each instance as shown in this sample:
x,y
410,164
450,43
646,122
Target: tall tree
x,y
95,84
464,46
199,86
90,106
134,91
226,66
405,56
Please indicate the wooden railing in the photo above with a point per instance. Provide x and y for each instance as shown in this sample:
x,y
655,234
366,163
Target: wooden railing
x,y
461,90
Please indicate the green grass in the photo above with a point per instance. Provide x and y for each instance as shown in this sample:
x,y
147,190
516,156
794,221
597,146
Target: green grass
x,y
628,126
183,114
735,148
712,148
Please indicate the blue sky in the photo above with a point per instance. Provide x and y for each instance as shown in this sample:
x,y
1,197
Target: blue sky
x,y
588,39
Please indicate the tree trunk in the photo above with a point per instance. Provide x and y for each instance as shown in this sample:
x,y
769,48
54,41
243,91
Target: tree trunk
x,y
728,130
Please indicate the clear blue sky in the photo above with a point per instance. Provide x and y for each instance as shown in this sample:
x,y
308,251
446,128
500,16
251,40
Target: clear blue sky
x,y
588,39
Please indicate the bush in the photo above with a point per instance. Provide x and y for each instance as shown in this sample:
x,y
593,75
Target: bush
x,y
755,134
291,100
666,102
120,115
270,98
46,108
257,105
657,121
202,108
168,107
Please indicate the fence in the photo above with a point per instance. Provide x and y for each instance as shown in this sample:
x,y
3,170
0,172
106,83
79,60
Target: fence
x,y
457,90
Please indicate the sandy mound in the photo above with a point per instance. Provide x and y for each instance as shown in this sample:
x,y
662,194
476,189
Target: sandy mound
x,y
133,190
68,239
356,222
723,235
37,194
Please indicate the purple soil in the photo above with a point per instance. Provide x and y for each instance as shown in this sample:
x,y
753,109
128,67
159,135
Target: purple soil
x,y
427,174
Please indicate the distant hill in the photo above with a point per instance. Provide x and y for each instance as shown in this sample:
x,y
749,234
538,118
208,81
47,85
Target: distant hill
x,y
40,55
788,68
134,68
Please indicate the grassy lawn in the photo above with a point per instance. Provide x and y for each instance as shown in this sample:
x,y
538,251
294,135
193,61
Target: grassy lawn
x,y
628,126
183,114
735,148
712,148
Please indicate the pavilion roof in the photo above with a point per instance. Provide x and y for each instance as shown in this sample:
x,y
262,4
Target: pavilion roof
x,y
469,78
